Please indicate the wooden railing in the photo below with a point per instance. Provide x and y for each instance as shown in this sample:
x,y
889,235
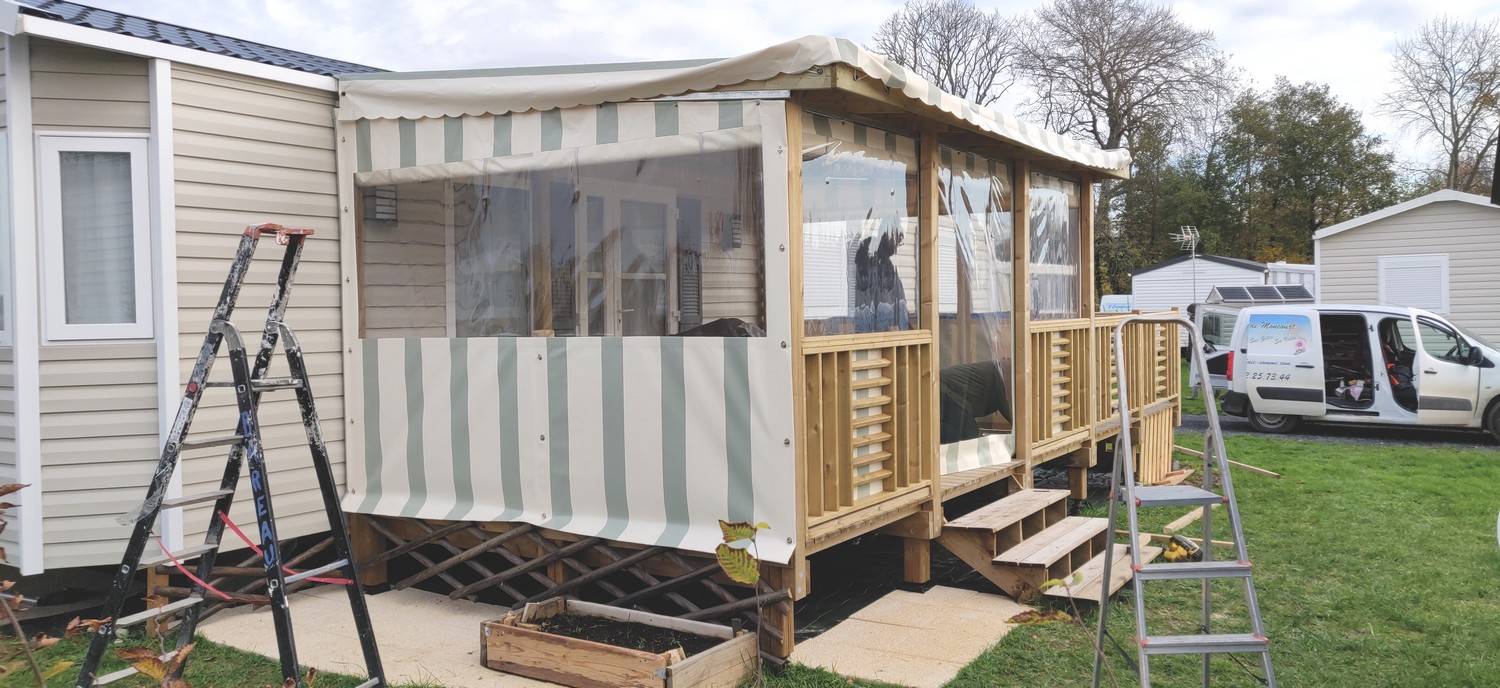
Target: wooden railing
x,y
868,425
1076,394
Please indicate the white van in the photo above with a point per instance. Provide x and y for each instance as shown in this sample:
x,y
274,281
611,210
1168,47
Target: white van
x,y
1359,364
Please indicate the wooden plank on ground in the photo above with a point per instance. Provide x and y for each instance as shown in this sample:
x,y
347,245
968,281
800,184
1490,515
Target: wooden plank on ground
x,y
1253,469
1186,520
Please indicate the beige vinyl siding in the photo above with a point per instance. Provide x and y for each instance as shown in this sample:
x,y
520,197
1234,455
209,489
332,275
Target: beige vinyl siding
x,y
250,151
1469,234
99,446
405,278
732,279
78,88
10,539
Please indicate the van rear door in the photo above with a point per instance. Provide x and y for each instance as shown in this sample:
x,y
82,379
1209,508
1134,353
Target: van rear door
x,y
1283,366
1447,386
1217,325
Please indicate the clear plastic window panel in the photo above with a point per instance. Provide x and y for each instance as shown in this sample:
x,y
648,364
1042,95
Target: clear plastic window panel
x,y
975,295
655,246
1055,248
859,228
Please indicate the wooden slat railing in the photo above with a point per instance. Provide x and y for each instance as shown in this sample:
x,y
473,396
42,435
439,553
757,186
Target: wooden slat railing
x,y
868,421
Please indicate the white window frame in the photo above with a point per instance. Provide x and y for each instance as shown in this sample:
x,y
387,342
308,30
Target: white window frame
x,y
1428,260
49,150
7,265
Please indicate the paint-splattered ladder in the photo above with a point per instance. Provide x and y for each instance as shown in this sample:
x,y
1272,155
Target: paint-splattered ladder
x,y
245,449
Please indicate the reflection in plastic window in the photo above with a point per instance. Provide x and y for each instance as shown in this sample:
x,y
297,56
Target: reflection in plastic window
x,y
1441,344
652,246
975,301
1055,250
859,205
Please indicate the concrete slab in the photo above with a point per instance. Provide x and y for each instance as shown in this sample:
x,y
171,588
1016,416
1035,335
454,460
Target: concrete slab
x,y
424,637
905,638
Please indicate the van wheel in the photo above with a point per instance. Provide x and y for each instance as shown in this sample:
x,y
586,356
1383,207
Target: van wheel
x,y
1492,420
1274,423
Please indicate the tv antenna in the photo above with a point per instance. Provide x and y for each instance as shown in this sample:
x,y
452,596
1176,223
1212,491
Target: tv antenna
x,y
1187,240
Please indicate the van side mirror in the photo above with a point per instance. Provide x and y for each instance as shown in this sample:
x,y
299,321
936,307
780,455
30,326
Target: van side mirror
x,y
1476,358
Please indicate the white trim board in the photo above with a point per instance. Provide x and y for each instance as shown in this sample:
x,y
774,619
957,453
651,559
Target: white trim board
x,y
27,336
104,40
164,259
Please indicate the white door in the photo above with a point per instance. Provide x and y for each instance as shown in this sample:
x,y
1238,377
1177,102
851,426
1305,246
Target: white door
x,y
1447,386
1283,362
1217,325
628,281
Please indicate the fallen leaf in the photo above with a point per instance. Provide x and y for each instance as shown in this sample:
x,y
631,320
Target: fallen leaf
x,y
1037,616
56,670
12,487
131,654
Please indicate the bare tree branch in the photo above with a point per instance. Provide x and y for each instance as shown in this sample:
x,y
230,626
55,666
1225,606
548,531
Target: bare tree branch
x,y
1101,69
953,44
1448,90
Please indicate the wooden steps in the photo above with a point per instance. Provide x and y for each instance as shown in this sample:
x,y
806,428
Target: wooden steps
x,y
1028,538
1093,574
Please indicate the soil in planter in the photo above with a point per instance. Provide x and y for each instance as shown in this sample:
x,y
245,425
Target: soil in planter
x,y
635,636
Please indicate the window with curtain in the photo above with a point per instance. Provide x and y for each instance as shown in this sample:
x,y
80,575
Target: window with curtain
x,y
96,237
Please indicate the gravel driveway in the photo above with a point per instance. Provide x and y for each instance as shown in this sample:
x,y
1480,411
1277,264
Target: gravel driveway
x,y
1356,434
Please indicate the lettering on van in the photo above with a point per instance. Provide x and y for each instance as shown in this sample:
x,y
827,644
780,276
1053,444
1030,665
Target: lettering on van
x,y
1277,335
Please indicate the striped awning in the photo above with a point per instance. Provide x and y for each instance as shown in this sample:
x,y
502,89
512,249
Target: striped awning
x,y
398,151
649,440
444,96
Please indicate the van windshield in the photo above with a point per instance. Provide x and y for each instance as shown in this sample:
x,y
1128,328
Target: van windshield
x,y
1475,337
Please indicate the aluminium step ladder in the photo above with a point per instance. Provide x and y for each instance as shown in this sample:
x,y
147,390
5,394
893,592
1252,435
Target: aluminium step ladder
x,y
1123,488
249,383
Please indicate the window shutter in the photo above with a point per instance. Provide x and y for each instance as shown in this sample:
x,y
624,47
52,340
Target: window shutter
x,y
690,263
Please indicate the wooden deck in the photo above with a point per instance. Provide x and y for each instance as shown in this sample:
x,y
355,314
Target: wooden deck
x,y
964,482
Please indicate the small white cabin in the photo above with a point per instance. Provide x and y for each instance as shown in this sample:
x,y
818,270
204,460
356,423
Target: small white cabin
x,y
1185,280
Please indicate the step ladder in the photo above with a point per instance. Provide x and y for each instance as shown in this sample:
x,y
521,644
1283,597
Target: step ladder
x,y
245,450
1124,490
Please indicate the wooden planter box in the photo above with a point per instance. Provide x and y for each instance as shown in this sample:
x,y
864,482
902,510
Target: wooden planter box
x,y
514,645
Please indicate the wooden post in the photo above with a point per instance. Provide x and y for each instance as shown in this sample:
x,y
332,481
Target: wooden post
x,y
798,577
367,544
154,580
773,615
1087,286
1025,383
918,550
541,258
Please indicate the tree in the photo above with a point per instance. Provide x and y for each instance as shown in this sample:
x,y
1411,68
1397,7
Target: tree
x,y
1448,89
953,44
1295,160
1102,68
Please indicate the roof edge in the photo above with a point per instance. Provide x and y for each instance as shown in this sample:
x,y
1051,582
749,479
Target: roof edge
x,y
1390,211
1242,263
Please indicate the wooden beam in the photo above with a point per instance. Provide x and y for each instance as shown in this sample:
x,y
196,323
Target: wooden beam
x,y
1025,383
1086,282
597,574
465,556
917,557
666,586
1253,469
804,491
532,565
367,545
409,545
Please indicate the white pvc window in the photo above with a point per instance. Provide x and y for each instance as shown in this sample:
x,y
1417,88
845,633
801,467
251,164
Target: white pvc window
x,y
96,237
1417,281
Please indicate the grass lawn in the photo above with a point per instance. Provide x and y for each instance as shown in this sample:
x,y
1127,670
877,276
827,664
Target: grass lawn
x,y
210,666
1190,406
1375,565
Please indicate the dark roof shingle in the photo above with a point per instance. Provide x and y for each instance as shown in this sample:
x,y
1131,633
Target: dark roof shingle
x,y
152,30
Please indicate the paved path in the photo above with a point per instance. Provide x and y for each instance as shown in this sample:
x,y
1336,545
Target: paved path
x,y
912,639
424,637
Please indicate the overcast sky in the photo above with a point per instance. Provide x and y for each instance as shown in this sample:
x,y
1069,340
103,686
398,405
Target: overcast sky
x,y
1344,43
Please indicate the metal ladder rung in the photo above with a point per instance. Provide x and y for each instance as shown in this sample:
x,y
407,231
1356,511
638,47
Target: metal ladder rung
x,y
1176,495
200,498
188,553
1194,570
212,442
129,671
369,684
266,385
310,573
163,610
1203,644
